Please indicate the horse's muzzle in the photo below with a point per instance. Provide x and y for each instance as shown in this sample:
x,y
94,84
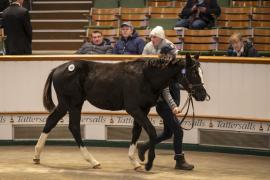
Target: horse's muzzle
x,y
200,94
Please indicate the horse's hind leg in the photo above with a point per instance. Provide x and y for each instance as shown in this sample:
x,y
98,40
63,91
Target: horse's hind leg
x,y
136,132
74,127
58,113
143,120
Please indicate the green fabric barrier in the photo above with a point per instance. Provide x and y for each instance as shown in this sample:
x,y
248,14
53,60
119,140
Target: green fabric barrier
x,y
133,3
106,3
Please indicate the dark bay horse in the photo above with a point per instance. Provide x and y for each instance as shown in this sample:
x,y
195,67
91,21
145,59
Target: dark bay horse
x,y
133,86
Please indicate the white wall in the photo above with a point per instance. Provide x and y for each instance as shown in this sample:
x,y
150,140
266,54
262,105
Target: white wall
x,y
240,90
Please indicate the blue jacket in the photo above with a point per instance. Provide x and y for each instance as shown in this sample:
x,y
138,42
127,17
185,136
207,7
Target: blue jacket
x,y
133,45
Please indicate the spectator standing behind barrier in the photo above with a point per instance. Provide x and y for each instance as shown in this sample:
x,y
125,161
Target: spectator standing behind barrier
x,y
167,105
240,47
97,45
198,14
18,29
3,5
129,42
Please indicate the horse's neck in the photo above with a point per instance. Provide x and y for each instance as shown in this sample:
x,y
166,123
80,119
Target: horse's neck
x,y
161,78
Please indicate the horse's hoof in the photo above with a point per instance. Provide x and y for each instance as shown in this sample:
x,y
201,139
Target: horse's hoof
x,y
36,161
141,152
142,163
148,166
138,169
98,166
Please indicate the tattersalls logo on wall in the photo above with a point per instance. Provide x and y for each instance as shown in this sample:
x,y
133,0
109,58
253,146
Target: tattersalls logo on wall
x,y
126,120
3,119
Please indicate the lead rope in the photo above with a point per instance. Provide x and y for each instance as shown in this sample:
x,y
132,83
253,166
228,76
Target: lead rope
x,y
187,103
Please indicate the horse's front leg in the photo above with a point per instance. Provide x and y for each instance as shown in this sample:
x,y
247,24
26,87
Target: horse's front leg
x,y
136,132
142,119
151,131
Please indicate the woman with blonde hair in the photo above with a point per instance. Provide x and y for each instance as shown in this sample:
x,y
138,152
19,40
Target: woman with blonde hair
x,y
241,47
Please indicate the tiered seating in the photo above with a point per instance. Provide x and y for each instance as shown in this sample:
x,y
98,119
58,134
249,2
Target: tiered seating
x,y
241,17
139,17
106,4
144,33
132,3
107,15
260,17
166,3
262,39
240,3
265,3
157,12
104,18
166,17
175,37
58,25
234,18
202,40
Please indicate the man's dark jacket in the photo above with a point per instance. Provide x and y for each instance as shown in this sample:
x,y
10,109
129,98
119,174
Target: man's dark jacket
x,y
212,8
18,29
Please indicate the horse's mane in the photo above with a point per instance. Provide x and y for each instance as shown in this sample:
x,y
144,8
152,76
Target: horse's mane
x,y
161,62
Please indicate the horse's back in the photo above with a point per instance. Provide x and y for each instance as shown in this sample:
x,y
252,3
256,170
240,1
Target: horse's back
x,y
105,85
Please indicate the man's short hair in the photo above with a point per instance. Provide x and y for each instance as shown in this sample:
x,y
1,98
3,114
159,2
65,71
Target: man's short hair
x,y
96,31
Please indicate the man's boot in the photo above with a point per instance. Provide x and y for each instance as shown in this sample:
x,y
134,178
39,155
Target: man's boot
x,y
181,162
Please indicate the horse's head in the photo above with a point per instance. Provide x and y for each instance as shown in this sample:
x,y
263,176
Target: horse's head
x,y
192,78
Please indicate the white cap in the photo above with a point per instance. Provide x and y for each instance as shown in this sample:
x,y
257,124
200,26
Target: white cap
x,y
158,31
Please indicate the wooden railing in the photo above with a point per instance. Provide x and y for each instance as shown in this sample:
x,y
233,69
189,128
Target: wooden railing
x,y
216,59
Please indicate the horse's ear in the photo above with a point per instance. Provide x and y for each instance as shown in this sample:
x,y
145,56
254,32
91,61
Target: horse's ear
x,y
188,60
197,56
188,56
175,60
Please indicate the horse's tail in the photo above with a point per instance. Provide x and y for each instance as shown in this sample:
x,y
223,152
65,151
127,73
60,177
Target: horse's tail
x,y
47,94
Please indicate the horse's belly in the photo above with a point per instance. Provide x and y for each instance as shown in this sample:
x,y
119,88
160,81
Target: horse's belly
x,y
106,101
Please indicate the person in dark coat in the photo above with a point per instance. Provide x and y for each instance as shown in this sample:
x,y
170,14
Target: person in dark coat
x,y
198,14
129,43
97,45
3,5
18,29
240,47
167,106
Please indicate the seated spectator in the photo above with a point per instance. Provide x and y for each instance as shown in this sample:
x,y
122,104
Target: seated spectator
x,y
198,14
129,42
158,41
97,45
240,47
